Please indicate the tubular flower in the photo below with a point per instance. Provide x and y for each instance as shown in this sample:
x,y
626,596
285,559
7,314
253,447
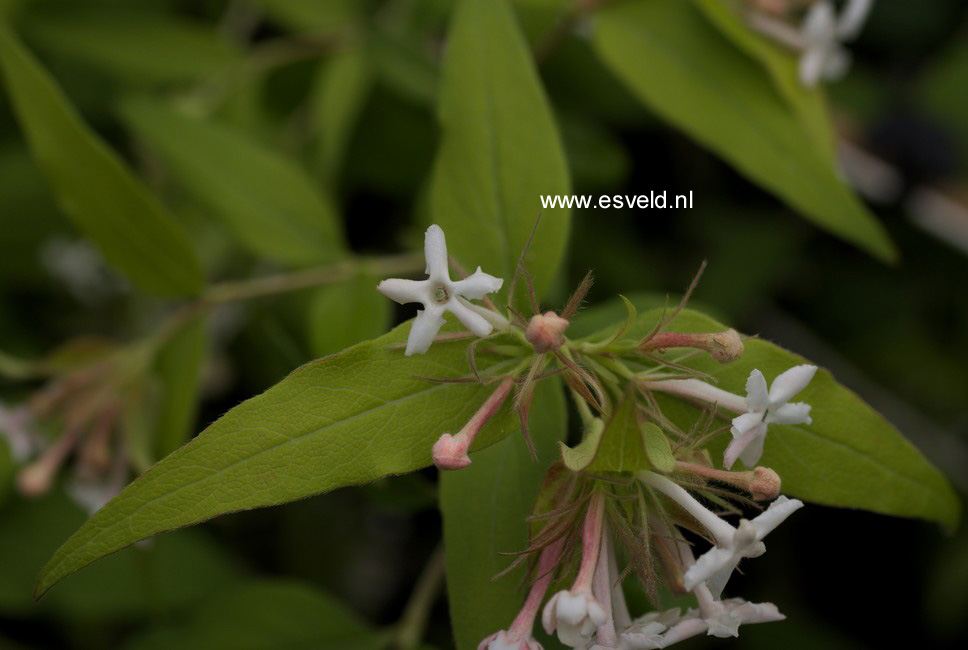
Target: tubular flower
x,y
717,564
439,294
764,408
576,614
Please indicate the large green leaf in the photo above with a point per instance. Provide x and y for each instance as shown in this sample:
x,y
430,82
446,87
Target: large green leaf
x,y
346,419
268,202
137,46
682,68
500,150
103,198
783,67
485,507
267,614
849,456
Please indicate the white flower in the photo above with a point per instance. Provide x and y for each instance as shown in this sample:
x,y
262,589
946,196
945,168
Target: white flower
x,y
576,615
14,428
764,408
727,615
662,629
438,294
716,565
503,640
822,32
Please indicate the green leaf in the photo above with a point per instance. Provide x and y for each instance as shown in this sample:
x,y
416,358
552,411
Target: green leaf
x,y
179,368
344,420
341,87
625,444
267,614
783,67
137,46
103,198
346,313
500,150
677,64
269,203
485,507
849,456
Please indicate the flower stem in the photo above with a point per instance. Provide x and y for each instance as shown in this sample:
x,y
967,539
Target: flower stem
x,y
413,623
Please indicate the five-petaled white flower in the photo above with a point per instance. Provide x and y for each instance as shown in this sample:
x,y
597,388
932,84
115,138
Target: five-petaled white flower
x,y
716,565
822,32
439,294
764,408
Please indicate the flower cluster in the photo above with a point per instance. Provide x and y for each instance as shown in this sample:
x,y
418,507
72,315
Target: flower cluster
x,y
589,540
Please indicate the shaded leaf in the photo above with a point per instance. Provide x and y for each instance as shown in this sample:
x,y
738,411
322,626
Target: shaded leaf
x,y
103,198
269,203
137,46
267,614
178,366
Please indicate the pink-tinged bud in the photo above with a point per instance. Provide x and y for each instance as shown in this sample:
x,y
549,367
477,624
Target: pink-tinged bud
x,y
721,346
35,479
762,483
450,452
765,485
546,331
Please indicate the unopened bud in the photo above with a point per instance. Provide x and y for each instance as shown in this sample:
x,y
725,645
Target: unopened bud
x,y
765,485
762,483
546,331
35,479
450,452
721,346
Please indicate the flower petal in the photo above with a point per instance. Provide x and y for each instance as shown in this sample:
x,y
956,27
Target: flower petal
x,y
790,382
476,285
820,24
404,291
773,516
852,18
435,250
710,563
812,64
470,318
742,440
754,450
795,413
424,328
757,398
